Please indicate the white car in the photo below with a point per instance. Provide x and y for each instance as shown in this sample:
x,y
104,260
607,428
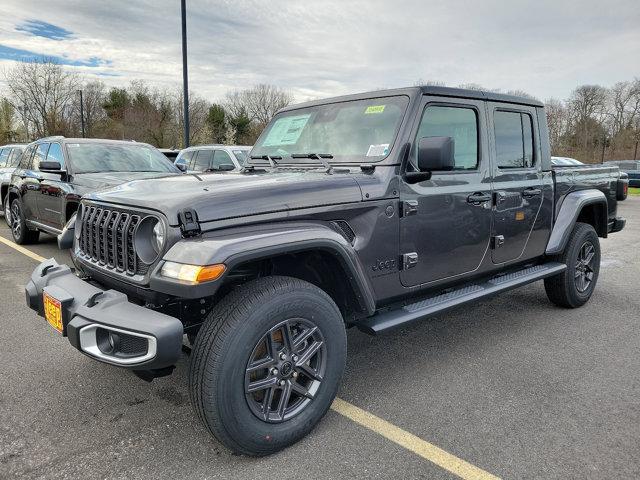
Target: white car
x,y
9,158
213,158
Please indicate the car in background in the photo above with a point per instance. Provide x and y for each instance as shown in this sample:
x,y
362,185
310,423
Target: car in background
x,y
213,158
631,168
623,184
55,172
9,158
565,162
170,153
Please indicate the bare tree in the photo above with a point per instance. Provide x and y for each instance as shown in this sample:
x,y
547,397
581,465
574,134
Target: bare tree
x,y
558,122
260,103
43,92
587,105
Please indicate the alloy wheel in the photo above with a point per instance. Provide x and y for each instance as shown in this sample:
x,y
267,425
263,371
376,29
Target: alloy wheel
x,y
16,228
285,370
584,271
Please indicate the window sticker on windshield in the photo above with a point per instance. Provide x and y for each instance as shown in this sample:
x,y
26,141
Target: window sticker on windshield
x,y
374,109
378,150
286,131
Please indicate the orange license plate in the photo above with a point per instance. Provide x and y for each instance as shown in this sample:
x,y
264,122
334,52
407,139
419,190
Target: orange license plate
x,y
53,311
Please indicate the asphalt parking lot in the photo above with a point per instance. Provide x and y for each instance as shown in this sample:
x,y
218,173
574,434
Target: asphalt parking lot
x,y
514,386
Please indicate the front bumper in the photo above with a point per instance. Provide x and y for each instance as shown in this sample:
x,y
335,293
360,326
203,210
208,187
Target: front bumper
x,y
103,324
617,225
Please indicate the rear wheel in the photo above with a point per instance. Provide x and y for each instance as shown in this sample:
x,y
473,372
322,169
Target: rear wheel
x,y
21,234
573,287
267,363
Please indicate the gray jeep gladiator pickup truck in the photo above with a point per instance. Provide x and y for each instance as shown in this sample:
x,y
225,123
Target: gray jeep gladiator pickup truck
x,y
370,210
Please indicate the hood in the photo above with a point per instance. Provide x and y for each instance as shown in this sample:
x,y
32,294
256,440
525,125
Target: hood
x,y
217,196
102,180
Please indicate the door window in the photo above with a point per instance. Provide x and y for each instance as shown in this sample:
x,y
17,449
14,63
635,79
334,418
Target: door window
x,y
40,156
25,161
514,139
459,123
4,156
14,158
55,154
221,157
203,160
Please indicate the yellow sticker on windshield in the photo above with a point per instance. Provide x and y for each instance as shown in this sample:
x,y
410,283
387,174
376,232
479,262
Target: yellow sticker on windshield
x,y
375,109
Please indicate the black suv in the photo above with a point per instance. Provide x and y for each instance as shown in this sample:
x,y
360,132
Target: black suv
x,y
371,210
55,172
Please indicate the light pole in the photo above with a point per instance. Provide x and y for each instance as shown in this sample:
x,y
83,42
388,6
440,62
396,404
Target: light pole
x,y
81,113
185,76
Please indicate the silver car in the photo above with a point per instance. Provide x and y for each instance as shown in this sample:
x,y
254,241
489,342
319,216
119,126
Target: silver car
x,y
213,158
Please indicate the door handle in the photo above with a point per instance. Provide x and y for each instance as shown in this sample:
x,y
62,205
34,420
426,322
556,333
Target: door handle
x,y
531,192
478,198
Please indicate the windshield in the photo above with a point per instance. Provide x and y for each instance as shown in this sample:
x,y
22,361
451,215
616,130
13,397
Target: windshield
x,y
106,157
357,131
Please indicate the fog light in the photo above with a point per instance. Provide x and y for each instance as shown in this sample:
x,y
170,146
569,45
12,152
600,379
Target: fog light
x,y
192,273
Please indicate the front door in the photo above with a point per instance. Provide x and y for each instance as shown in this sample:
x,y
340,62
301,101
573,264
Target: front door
x,y
51,199
517,179
446,221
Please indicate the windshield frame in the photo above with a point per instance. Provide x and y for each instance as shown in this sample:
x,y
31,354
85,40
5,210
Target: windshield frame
x,y
71,164
289,161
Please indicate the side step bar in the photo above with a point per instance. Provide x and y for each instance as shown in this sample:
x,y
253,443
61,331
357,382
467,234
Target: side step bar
x,y
428,307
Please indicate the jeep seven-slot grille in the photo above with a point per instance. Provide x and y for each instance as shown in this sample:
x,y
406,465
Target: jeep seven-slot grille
x,y
106,239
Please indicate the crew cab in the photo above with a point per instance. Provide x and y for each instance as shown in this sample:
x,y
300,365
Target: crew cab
x,y
55,172
370,211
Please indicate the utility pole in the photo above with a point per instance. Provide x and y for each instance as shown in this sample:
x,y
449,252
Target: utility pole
x,y
635,152
604,140
185,76
81,113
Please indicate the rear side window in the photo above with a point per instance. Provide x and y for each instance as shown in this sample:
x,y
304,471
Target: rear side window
x,y
459,123
4,156
514,139
203,160
14,157
55,154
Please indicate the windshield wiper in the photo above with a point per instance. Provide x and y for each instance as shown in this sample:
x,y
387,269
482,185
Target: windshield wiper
x,y
317,156
270,158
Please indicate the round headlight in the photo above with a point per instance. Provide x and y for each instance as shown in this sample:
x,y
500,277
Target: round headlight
x,y
149,239
158,237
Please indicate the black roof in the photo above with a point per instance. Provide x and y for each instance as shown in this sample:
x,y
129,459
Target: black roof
x,y
427,90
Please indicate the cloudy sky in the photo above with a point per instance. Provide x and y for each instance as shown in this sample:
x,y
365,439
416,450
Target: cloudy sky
x,y
319,48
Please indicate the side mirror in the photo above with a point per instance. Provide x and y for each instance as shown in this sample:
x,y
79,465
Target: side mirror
x,y
50,167
226,167
181,166
436,154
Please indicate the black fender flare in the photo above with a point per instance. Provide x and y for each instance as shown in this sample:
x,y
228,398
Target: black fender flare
x,y
568,214
244,244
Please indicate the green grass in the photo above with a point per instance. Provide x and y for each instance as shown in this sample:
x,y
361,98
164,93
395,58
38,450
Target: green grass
x,y
634,191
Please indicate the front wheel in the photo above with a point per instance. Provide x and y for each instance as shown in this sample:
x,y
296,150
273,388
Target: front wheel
x,y
267,364
21,234
574,287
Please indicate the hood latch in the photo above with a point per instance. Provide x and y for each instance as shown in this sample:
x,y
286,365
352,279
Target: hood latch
x,y
189,226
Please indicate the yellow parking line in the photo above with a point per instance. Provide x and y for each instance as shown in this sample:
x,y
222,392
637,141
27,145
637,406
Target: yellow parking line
x,y
406,440
409,441
22,250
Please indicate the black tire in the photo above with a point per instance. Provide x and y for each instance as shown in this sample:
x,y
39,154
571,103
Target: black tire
x,y
569,289
19,231
227,342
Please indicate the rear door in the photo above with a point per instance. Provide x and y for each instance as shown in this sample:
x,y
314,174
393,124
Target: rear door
x,y
445,225
28,182
518,185
52,187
